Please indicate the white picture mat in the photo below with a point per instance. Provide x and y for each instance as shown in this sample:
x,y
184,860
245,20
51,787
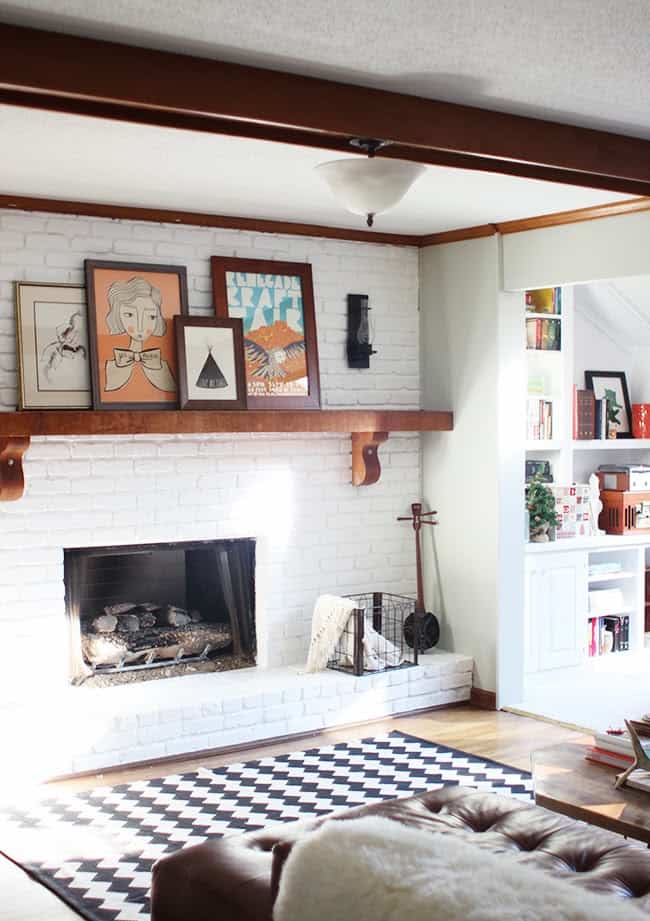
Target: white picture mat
x,y
51,377
199,340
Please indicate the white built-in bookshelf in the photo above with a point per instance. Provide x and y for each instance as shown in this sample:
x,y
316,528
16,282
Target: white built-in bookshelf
x,y
559,575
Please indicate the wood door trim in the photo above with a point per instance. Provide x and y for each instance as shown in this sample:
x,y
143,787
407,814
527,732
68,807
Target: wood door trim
x,y
69,73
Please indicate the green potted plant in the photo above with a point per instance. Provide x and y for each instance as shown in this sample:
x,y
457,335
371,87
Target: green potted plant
x,y
540,503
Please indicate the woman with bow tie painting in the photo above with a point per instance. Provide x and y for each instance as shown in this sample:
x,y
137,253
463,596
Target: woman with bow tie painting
x,y
135,309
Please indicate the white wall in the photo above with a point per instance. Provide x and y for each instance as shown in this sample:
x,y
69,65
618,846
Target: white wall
x,y
459,343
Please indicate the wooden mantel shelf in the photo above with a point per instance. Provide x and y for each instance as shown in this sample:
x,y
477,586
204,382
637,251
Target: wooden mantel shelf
x,y
368,427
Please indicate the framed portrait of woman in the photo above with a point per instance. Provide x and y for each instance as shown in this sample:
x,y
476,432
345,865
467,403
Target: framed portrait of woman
x,y
131,310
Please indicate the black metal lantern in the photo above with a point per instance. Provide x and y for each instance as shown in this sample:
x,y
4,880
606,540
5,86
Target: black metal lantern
x,y
359,346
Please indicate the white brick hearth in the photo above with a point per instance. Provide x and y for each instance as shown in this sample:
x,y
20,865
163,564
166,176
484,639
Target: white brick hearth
x,y
314,531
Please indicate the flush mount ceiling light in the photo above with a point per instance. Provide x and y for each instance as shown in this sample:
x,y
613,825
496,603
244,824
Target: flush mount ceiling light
x,y
369,185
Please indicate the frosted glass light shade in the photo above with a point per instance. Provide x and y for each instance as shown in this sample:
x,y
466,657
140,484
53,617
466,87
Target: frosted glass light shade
x,y
369,185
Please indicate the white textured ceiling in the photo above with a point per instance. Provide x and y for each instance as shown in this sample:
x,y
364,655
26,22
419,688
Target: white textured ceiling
x,y
86,159
583,62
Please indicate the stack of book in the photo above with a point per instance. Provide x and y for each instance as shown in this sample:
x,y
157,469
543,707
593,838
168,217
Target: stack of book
x,y
608,634
589,416
539,424
614,750
543,334
544,300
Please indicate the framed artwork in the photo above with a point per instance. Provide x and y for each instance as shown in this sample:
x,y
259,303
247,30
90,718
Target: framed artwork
x,y
275,302
52,337
211,371
612,386
131,310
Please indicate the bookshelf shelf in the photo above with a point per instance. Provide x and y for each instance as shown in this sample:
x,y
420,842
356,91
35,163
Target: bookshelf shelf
x,y
619,613
543,316
613,444
611,577
543,445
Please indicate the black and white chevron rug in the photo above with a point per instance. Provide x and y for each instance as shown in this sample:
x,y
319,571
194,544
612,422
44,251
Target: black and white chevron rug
x,y
95,850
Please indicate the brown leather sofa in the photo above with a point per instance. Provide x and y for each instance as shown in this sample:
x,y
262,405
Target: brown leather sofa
x,y
236,878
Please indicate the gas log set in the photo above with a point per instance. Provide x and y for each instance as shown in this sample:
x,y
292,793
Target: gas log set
x,y
131,634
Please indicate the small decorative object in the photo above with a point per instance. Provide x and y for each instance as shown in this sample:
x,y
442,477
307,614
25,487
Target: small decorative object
x,y
359,346
52,335
540,502
641,759
612,386
210,363
641,420
275,302
540,469
573,510
421,629
595,505
131,308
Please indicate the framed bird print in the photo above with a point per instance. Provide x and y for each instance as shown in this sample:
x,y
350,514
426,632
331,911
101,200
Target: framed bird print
x,y
131,310
210,363
275,302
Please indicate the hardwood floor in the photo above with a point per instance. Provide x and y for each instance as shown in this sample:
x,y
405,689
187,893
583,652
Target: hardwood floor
x,y
502,736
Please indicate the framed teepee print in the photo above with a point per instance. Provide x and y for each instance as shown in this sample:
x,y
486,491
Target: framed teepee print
x,y
275,302
210,363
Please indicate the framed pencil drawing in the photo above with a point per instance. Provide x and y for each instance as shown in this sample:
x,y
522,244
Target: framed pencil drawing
x,y
275,302
210,363
52,338
131,310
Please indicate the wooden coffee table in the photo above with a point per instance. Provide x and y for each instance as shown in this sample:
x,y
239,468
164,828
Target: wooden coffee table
x,y
565,782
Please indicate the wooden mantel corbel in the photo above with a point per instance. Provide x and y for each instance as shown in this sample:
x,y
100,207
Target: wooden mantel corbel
x,y
366,468
12,480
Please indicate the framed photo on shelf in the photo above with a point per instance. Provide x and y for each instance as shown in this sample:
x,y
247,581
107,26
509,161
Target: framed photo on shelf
x,y
52,340
211,372
275,302
131,310
612,387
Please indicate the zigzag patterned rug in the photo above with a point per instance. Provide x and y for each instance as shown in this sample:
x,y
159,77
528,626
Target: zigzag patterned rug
x,y
95,850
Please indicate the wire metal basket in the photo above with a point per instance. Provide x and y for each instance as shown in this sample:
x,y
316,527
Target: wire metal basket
x,y
380,634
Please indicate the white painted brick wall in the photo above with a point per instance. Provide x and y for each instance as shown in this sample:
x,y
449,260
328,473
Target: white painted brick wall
x,y
314,531
42,247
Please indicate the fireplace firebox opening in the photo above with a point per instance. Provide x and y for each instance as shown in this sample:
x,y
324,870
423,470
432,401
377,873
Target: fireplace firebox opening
x,y
159,610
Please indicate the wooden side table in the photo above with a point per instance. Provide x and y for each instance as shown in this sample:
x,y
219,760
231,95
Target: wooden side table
x,y
565,782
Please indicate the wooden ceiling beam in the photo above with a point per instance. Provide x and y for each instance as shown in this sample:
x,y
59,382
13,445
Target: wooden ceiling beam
x,y
86,76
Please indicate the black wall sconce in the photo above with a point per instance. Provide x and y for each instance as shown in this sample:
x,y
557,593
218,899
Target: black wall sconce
x,y
359,345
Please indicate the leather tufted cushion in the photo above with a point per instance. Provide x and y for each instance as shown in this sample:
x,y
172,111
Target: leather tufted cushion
x,y
236,878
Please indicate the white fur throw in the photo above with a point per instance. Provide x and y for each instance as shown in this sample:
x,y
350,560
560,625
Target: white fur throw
x,y
374,869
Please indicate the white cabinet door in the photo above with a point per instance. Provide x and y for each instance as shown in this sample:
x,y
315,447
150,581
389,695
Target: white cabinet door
x,y
556,610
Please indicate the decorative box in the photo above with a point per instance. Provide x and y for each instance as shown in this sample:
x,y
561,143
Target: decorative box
x,y
572,510
625,512
624,477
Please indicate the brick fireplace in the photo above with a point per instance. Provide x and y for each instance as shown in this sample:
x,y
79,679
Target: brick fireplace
x,y
313,531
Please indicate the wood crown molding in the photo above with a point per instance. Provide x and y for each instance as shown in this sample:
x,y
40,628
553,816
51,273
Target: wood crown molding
x,y
260,225
557,219
199,219
87,76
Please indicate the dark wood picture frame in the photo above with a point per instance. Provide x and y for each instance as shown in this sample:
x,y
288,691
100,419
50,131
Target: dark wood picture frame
x,y
185,401
220,265
143,269
591,379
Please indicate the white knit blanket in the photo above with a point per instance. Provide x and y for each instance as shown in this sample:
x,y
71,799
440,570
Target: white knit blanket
x,y
330,618
331,614
374,869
